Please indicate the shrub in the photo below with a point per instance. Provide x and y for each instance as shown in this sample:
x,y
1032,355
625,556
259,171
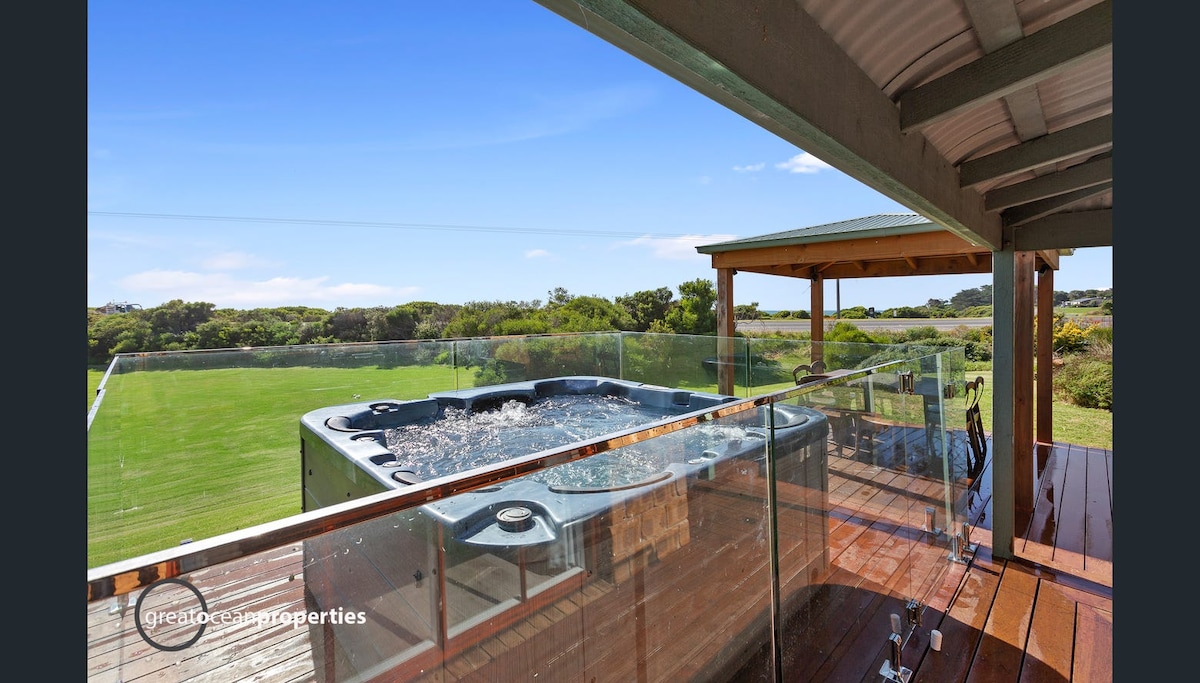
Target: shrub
x,y
1086,379
1100,335
1069,338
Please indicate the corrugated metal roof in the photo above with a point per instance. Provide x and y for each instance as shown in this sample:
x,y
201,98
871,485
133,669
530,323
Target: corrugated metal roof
x,y
867,226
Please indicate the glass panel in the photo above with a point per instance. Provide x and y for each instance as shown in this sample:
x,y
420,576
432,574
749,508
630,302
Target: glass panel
x,y
678,551
499,360
680,360
190,445
883,476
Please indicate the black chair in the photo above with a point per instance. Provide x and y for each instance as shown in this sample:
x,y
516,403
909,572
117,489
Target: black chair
x,y
812,372
975,437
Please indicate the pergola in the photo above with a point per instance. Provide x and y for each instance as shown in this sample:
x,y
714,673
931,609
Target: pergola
x,y
888,245
992,119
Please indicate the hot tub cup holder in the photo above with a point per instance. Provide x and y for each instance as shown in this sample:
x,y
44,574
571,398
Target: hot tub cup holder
x,y
384,407
508,524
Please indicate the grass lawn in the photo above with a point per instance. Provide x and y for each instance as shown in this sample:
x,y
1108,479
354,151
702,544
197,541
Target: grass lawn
x,y
188,454
1072,424
93,383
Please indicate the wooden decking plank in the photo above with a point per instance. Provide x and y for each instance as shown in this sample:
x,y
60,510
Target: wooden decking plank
x,y
1093,645
1069,542
949,583
1002,647
866,642
1043,524
1098,522
352,582
220,644
962,626
1047,653
1091,598
135,657
832,636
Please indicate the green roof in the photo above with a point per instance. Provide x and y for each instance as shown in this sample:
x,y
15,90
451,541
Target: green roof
x,y
868,226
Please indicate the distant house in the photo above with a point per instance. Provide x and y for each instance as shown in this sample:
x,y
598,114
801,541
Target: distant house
x,y
119,307
1086,302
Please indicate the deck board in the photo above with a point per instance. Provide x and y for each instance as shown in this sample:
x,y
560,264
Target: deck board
x,y
1098,529
1072,505
1093,644
1000,651
1048,654
1046,615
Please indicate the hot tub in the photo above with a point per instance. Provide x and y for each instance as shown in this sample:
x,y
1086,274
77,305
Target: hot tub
x,y
358,449
495,548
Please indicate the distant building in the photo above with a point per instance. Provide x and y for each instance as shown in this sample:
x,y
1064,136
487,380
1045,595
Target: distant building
x,y
119,307
1087,302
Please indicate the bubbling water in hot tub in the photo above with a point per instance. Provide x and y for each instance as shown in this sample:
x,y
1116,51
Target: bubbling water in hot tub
x,y
458,441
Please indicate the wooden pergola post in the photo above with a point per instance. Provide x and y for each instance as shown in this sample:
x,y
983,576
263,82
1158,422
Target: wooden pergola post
x,y
1045,356
725,329
1024,470
817,324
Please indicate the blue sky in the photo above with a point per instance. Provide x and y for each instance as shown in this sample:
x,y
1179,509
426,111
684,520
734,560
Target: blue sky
x,y
261,154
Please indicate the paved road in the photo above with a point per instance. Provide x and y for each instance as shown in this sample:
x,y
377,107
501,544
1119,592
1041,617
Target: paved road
x,y
877,324
866,325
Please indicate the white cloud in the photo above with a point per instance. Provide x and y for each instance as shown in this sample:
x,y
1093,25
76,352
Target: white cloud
x,y
232,260
750,168
229,292
803,163
536,253
676,248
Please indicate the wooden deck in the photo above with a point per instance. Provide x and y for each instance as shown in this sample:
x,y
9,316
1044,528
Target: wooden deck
x,y
1045,616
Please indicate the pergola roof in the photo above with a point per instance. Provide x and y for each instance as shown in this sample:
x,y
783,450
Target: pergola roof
x,y
879,224
883,245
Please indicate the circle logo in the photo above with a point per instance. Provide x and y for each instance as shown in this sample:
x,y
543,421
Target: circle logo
x,y
169,625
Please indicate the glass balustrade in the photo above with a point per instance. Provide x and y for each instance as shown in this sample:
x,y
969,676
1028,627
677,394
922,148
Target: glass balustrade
x,y
680,534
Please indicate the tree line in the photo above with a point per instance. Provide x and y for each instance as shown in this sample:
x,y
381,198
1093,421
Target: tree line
x,y
179,326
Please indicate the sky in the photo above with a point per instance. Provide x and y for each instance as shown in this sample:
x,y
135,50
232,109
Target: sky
x,y
375,153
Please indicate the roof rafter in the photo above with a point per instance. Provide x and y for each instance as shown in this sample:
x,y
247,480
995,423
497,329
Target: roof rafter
x,y
1088,137
1011,68
1087,174
1025,213
1077,229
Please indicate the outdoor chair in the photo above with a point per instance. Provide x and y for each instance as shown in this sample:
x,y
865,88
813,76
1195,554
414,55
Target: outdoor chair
x,y
812,372
975,438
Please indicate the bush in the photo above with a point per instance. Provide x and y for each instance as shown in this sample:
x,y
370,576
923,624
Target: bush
x,y
1100,335
1086,379
1069,338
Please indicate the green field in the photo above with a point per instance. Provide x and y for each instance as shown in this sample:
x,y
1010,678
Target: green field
x,y
188,454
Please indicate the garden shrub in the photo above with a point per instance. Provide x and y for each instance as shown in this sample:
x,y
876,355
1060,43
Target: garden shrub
x,y
1086,379
1069,338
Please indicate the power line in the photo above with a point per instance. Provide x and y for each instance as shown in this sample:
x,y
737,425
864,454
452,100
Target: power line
x,y
396,226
